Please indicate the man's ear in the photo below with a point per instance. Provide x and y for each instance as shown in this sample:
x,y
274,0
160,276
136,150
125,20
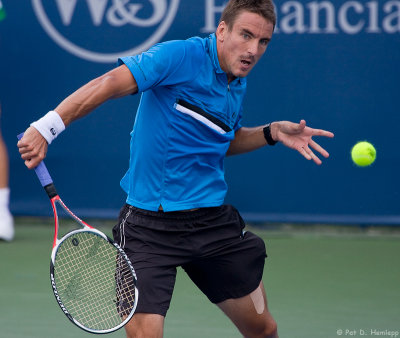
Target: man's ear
x,y
220,32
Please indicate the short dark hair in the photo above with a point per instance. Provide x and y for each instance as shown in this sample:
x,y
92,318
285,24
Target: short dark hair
x,y
265,8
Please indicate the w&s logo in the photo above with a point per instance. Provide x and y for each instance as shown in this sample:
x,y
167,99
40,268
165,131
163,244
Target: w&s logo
x,y
103,30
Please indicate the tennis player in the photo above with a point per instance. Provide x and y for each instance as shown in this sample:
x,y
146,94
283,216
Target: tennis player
x,y
188,120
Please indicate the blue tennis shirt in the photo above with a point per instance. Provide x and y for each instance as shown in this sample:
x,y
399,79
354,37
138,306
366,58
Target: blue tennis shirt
x,y
185,121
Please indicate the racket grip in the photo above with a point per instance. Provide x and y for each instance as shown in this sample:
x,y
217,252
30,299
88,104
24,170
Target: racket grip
x,y
41,171
43,174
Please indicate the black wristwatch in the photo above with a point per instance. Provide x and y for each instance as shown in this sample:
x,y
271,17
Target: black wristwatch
x,y
267,135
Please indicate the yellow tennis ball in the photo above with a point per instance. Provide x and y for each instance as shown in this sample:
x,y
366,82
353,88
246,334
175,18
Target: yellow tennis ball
x,y
363,154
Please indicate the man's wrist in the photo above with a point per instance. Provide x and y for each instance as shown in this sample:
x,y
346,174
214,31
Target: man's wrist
x,y
49,126
268,135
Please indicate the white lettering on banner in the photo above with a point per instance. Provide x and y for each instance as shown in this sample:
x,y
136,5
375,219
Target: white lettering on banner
x,y
391,23
324,17
315,10
373,17
96,9
67,8
119,16
293,21
293,17
121,12
343,17
364,17
211,11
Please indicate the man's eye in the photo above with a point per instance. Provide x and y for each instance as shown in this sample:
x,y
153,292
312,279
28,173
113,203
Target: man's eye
x,y
264,42
246,36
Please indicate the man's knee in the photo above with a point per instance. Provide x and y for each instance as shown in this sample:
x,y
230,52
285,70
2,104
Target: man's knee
x,y
269,329
145,326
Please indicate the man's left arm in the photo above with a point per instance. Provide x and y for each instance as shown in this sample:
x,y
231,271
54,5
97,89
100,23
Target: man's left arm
x,y
297,136
246,140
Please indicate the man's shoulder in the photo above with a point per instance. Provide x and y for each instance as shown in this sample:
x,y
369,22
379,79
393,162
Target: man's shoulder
x,y
196,50
192,52
194,44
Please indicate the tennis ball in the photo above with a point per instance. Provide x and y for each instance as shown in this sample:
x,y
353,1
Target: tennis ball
x,y
363,154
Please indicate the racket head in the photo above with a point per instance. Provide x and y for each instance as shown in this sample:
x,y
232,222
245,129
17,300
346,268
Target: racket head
x,y
93,281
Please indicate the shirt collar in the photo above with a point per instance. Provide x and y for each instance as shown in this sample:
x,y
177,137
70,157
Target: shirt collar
x,y
212,51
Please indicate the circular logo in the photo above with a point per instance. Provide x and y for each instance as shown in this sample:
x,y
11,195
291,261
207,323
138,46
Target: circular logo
x,y
84,28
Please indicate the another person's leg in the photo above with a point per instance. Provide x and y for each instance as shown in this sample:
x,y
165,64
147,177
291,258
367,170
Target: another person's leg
x,y
6,219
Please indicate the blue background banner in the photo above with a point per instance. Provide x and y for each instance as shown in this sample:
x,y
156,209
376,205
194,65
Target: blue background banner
x,y
334,63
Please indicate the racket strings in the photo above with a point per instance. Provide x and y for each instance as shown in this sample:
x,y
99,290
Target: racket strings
x,y
94,281
94,289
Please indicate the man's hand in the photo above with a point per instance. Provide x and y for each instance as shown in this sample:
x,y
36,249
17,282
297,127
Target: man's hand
x,y
32,147
299,137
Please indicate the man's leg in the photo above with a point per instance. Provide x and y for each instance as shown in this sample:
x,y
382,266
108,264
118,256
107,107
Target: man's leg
x,y
155,257
230,269
145,325
250,314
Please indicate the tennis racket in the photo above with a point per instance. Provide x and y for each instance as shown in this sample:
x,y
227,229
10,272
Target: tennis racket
x,y
91,276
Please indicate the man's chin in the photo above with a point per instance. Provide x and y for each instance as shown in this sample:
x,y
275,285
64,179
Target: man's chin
x,y
242,73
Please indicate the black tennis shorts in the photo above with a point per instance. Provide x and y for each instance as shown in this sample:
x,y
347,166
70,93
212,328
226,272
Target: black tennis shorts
x,y
210,244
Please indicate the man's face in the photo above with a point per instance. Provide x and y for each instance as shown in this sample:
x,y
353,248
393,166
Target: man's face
x,y
240,49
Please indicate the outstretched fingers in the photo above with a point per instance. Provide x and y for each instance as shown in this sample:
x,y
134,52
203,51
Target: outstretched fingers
x,y
321,132
318,148
299,137
309,154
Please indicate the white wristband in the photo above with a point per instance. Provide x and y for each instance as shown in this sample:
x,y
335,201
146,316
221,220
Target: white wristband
x,y
49,126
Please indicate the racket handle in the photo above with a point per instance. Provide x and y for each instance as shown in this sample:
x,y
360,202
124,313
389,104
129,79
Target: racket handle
x,y
41,171
43,174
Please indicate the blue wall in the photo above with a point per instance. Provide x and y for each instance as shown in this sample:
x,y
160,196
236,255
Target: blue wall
x,y
338,67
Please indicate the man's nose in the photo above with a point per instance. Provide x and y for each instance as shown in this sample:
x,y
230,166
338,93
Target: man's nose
x,y
252,48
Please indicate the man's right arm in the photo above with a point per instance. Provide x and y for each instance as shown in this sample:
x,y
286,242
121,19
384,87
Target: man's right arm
x,y
117,83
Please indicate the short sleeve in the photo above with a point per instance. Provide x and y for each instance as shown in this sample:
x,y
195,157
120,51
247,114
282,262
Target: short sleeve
x,y
163,64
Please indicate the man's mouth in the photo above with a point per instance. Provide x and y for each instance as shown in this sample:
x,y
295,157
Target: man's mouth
x,y
246,64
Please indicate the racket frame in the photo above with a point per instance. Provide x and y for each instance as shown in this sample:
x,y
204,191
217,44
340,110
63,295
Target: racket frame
x,y
56,244
48,185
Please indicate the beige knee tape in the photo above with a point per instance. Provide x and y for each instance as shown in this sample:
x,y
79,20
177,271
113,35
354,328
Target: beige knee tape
x,y
258,300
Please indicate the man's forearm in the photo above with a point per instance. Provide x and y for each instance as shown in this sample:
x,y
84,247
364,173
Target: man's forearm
x,y
81,102
246,140
249,139
116,83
